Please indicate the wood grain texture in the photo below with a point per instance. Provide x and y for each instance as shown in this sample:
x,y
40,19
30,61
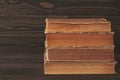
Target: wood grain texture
x,y
81,7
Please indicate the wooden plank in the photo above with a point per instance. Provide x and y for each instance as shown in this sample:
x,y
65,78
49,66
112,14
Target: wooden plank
x,y
9,28
31,7
21,71
22,34
21,59
14,77
22,20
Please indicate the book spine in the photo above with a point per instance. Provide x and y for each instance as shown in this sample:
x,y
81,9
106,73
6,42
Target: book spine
x,y
78,39
74,54
62,27
79,68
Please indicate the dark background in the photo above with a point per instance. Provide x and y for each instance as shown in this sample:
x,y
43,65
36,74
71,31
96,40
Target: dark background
x,y
22,35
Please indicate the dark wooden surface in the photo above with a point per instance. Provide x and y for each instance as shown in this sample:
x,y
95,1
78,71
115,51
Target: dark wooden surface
x,y
22,35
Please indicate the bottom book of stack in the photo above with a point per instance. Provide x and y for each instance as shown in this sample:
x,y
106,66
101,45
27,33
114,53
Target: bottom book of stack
x,y
79,67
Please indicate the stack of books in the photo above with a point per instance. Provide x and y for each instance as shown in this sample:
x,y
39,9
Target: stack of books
x,y
79,46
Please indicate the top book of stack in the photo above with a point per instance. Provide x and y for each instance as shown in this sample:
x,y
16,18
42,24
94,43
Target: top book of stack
x,y
77,25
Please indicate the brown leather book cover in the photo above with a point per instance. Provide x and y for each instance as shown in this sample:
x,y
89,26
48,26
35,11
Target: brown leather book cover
x,y
79,39
84,67
77,25
80,54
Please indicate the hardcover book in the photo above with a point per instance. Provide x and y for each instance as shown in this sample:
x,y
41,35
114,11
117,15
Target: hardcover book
x,y
80,54
77,25
77,67
79,39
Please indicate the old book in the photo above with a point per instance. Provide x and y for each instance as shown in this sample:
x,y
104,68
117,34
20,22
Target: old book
x,y
80,54
77,25
79,39
77,67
